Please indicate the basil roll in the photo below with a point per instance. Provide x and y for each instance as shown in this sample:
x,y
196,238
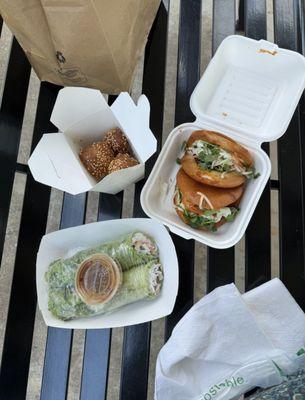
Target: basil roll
x,y
129,251
142,275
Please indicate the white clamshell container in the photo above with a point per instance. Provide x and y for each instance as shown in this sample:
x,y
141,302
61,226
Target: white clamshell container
x,y
66,242
248,92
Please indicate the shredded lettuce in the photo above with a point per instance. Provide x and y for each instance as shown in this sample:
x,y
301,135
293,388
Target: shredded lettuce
x,y
209,218
212,157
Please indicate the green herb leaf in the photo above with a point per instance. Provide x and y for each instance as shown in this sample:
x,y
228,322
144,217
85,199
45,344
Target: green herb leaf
x,y
234,212
253,174
301,352
178,160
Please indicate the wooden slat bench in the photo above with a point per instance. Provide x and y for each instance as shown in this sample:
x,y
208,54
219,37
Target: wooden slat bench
x,y
289,33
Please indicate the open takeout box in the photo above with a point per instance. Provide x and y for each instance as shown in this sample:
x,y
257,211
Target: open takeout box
x,y
249,92
82,116
66,242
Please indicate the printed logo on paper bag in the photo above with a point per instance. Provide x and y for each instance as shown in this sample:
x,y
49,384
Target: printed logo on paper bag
x,y
60,57
73,74
226,384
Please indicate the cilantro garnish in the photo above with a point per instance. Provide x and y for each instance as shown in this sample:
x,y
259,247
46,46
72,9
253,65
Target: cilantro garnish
x,y
199,221
211,157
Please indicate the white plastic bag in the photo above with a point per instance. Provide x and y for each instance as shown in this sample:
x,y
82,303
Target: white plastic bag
x,y
219,351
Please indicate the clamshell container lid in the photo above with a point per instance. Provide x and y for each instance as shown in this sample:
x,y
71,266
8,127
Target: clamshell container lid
x,y
250,87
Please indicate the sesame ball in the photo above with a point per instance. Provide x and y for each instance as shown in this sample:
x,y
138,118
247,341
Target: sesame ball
x,y
96,158
118,141
122,161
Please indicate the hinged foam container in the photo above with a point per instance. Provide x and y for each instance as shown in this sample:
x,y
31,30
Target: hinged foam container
x,y
248,92
82,116
61,244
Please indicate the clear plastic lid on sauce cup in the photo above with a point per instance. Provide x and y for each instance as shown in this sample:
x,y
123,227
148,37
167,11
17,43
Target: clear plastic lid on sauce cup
x,y
248,92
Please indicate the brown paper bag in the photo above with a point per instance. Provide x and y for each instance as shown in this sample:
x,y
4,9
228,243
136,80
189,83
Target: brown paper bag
x,y
91,43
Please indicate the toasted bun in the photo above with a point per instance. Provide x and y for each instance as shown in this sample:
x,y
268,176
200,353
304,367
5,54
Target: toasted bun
x,y
98,279
214,178
216,197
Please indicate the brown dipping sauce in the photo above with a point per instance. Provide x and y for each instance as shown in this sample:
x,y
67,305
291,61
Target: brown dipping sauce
x,y
98,279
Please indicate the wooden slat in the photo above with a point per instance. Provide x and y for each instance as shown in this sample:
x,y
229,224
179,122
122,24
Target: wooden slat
x,y
291,206
97,341
188,74
302,25
22,306
136,344
241,14
11,117
258,236
59,341
96,364
256,19
223,21
301,37
221,262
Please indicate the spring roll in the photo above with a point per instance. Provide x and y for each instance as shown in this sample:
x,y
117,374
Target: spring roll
x,y
143,282
129,251
138,283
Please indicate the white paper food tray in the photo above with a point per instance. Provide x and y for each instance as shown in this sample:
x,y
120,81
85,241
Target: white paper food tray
x,y
249,92
82,116
58,244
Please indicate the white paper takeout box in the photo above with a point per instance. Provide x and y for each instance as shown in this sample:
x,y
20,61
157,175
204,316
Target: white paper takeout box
x,y
249,92
61,244
82,116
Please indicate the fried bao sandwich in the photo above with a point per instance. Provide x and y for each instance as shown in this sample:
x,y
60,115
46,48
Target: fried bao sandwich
x,y
205,207
211,180
216,160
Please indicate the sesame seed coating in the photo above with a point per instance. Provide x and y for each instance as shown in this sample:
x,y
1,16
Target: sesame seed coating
x,y
121,161
96,158
118,141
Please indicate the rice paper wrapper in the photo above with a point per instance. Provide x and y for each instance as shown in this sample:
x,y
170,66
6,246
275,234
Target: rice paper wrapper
x,y
138,283
142,274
